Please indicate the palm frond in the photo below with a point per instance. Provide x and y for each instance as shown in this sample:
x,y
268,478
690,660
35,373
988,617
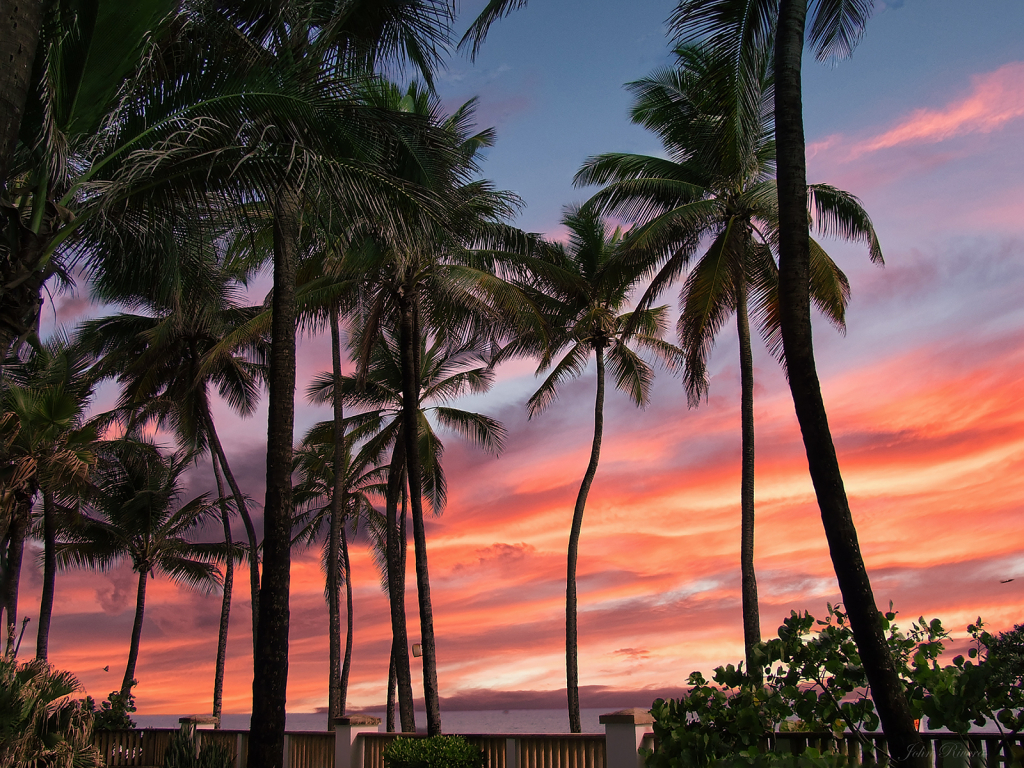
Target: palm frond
x,y
482,430
632,375
571,366
709,298
839,214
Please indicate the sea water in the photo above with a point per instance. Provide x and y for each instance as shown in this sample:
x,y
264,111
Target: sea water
x,y
479,721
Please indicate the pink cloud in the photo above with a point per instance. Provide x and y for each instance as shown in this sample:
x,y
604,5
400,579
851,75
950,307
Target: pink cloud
x,y
996,98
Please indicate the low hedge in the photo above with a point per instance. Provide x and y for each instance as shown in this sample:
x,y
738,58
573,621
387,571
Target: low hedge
x,y
433,752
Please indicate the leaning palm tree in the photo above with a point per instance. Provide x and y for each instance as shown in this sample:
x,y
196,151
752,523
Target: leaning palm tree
x,y
136,517
167,355
739,28
718,185
586,289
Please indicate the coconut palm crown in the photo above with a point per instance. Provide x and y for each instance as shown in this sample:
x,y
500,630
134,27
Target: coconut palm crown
x,y
717,187
585,286
138,517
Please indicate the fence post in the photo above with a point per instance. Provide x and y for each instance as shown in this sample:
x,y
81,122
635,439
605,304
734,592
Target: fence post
x,y
623,732
193,723
348,747
510,753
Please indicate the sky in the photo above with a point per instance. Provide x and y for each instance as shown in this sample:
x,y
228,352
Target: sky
x,y
925,124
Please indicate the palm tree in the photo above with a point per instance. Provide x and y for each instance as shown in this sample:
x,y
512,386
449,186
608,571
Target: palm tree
x,y
137,517
225,603
324,45
182,341
436,279
324,288
739,28
587,289
51,448
718,183
315,494
445,374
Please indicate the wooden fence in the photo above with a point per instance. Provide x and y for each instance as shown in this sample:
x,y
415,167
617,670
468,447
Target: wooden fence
x,y
513,750
145,748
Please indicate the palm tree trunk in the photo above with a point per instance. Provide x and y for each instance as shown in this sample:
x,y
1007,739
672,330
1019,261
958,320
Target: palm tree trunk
x,y
795,320
572,675
396,588
133,649
21,283
17,534
225,605
392,684
270,662
410,432
346,667
19,36
250,529
335,704
49,574
748,578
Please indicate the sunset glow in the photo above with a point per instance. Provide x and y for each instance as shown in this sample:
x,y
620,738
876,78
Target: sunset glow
x,y
923,393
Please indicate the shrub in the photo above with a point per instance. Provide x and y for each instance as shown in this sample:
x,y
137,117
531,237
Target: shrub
x,y
813,672
433,752
114,713
181,753
39,722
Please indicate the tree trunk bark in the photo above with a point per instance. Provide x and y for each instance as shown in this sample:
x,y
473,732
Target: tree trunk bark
x,y
335,704
392,684
133,649
346,666
250,529
572,675
410,429
49,575
396,588
17,534
22,21
795,318
225,605
21,285
270,662
748,578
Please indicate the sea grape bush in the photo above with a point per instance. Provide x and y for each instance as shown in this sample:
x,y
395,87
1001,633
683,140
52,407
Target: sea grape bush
x,y
812,672
987,688
433,752
114,713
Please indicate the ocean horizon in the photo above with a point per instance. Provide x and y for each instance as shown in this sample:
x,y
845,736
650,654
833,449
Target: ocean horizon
x,y
454,721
